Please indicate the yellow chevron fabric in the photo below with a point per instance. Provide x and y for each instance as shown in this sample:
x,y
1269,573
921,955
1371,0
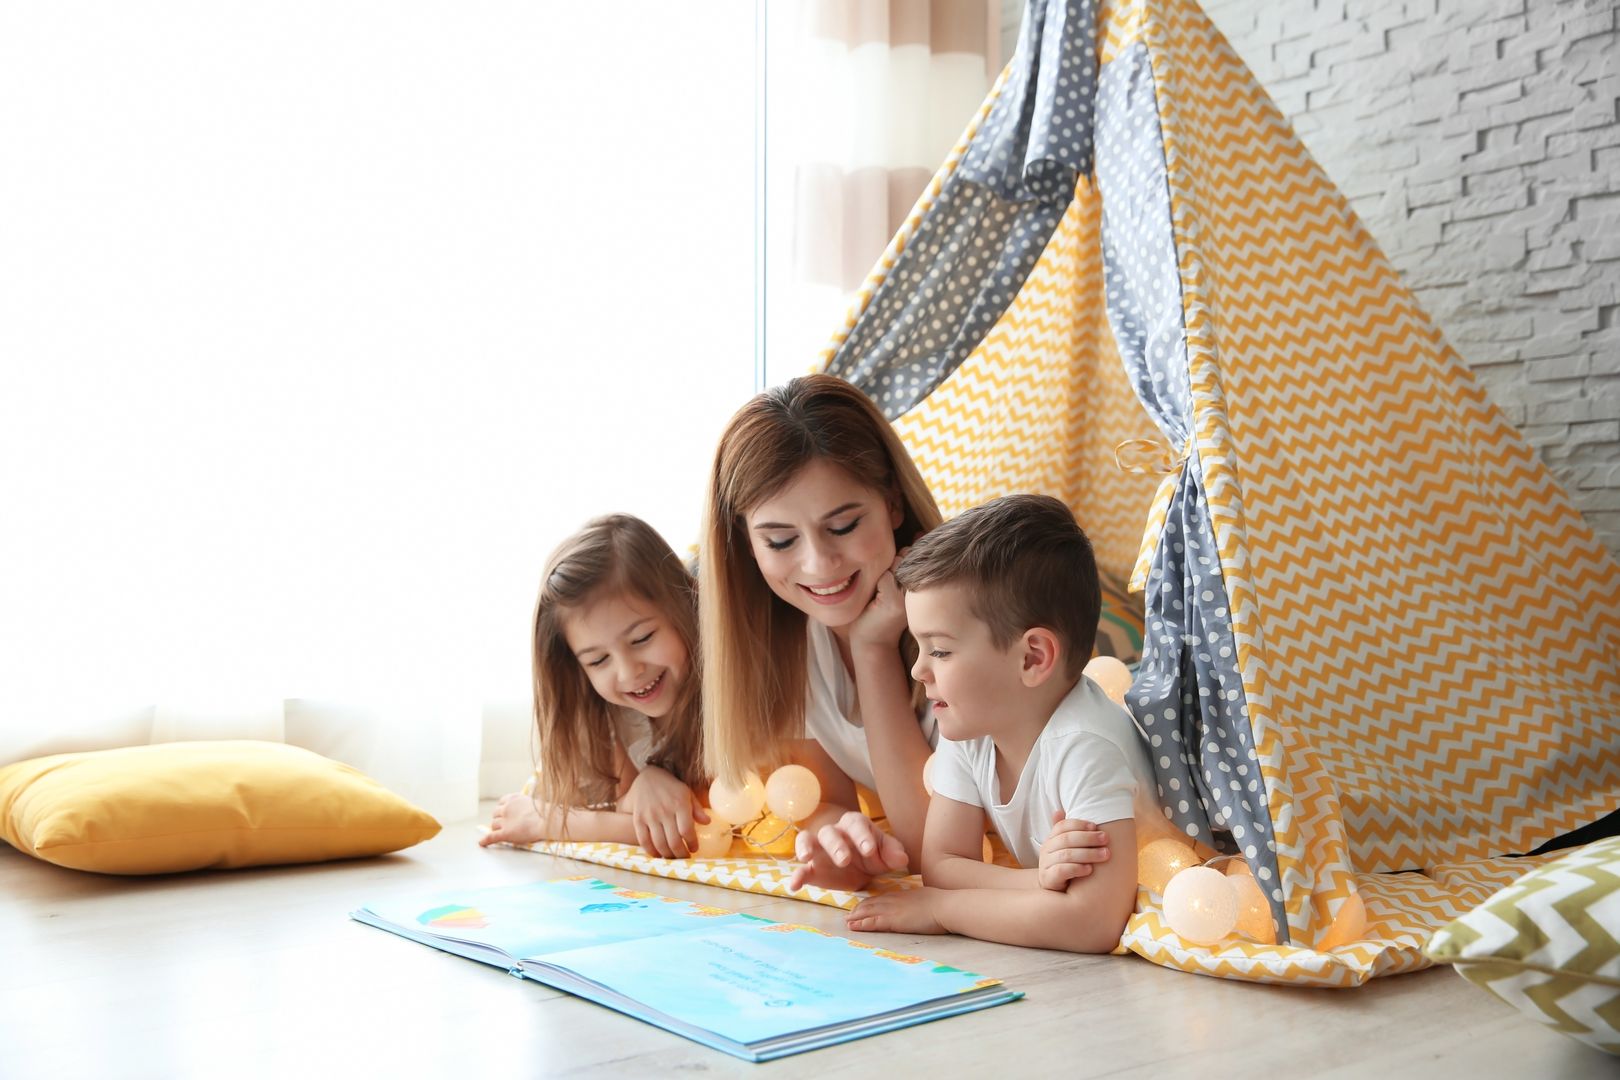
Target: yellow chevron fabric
x,y
1427,631
742,871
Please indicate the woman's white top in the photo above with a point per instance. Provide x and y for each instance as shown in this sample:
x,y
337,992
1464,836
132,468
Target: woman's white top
x,y
832,714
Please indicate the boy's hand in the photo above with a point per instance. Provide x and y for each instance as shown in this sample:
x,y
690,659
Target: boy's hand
x,y
1070,851
515,821
884,619
845,854
663,810
909,911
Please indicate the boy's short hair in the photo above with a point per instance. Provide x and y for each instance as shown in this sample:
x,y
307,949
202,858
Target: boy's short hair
x,y
1025,562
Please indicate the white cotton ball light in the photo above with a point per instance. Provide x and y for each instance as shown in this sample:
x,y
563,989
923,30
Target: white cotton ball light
x,y
737,805
1350,924
713,839
793,792
1161,860
1200,905
1108,673
1254,914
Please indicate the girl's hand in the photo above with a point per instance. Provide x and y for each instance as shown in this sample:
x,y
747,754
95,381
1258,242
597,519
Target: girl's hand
x,y
663,810
1070,851
884,619
910,911
516,821
846,854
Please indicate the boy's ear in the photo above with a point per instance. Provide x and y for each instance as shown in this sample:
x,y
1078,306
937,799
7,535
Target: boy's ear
x,y
1043,654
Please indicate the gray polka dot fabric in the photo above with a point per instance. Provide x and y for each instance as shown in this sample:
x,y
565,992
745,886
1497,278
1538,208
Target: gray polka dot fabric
x,y
975,247
1187,696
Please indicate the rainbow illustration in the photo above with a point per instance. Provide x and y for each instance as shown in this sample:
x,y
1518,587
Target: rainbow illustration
x,y
453,916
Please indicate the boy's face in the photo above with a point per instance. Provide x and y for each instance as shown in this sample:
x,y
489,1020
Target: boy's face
x,y
972,682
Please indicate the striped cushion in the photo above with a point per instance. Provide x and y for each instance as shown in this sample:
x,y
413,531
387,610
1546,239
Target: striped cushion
x,y
1549,945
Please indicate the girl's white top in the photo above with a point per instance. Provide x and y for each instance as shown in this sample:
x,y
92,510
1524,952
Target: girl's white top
x,y
635,735
832,714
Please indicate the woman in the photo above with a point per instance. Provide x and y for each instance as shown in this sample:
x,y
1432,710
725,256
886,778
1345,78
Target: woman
x,y
811,501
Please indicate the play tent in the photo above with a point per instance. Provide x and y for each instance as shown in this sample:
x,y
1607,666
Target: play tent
x,y
1382,648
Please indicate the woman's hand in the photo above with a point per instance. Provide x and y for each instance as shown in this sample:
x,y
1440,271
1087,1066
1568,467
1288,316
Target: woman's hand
x,y
884,619
663,810
1070,851
516,821
846,854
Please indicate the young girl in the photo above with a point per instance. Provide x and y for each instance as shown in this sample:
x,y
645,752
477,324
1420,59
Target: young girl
x,y
811,499
615,642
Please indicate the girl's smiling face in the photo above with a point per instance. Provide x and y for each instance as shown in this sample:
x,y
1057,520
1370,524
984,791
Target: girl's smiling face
x,y
823,541
631,655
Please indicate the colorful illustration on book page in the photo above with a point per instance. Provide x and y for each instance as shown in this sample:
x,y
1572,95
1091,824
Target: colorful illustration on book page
x,y
453,917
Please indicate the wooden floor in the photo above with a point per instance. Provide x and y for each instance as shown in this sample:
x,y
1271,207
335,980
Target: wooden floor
x,y
260,973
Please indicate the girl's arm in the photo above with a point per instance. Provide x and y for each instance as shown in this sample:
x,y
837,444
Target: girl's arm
x,y
883,688
519,819
1088,916
661,808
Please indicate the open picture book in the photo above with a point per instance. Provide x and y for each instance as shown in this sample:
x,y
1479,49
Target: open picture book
x,y
749,986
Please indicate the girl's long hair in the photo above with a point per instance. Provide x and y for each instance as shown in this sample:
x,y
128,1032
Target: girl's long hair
x,y
613,554
754,667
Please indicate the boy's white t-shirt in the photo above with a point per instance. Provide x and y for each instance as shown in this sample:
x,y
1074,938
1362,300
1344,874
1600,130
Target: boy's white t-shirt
x,y
1090,761
831,713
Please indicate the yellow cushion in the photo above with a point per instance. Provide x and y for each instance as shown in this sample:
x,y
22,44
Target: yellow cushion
x,y
190,805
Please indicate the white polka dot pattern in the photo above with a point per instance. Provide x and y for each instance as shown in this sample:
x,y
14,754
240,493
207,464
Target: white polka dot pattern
x,y
1187,695
974,249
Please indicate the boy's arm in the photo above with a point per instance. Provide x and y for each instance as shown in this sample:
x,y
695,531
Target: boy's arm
x,y
1088,916
953,851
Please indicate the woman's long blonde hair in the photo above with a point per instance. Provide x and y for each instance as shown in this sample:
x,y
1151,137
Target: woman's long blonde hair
x,y
754,667
613,554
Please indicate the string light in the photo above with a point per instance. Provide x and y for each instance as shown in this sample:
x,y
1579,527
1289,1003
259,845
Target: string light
x,y
737,805
713,839
793,792
1161,860
1350,924
1201,905
1254,914
761,814
1110,674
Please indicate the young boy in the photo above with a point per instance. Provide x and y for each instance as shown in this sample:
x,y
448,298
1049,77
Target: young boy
x,y
1003,601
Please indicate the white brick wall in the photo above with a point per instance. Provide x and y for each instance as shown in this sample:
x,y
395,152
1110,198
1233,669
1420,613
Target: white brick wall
x,y
1479,140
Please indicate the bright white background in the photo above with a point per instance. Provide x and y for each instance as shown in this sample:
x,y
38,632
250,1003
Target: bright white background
x,y
320,323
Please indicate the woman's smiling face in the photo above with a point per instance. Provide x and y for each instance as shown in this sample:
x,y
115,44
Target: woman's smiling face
x,y
823,541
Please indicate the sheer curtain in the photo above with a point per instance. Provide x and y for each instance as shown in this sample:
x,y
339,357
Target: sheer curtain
x,y
866,99
321,323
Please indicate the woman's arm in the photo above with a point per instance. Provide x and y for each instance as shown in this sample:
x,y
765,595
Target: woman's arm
x,y
894,740
838,846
